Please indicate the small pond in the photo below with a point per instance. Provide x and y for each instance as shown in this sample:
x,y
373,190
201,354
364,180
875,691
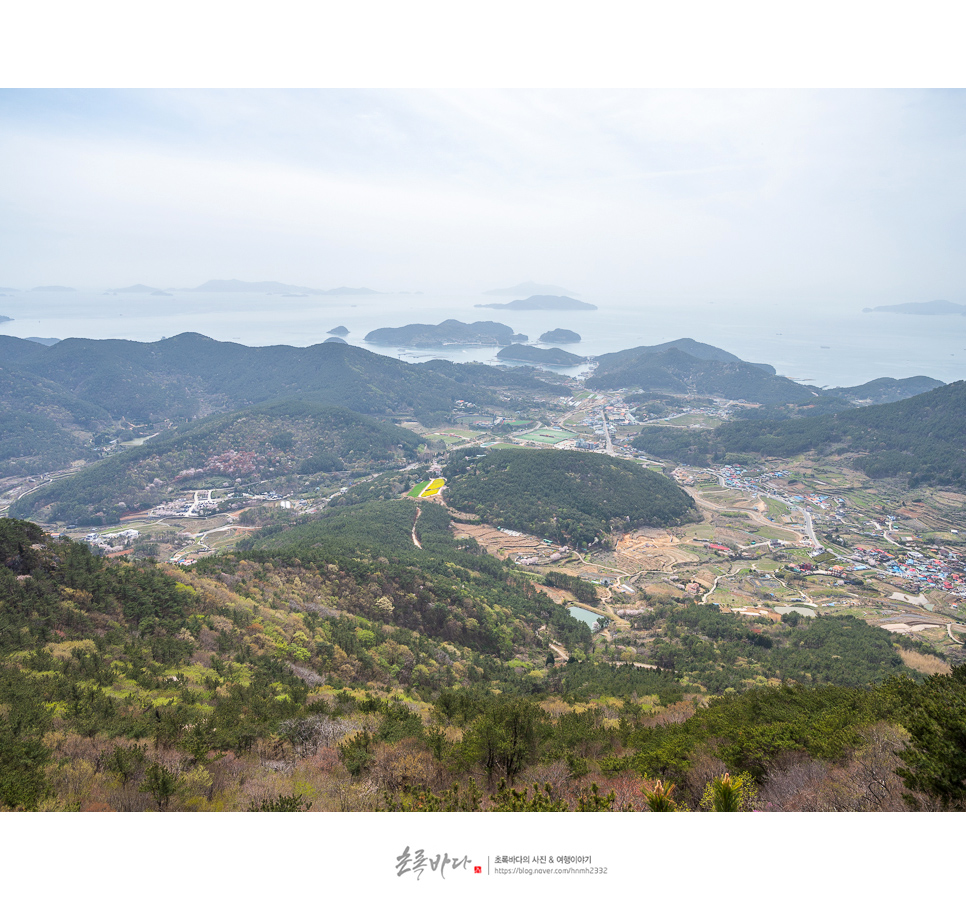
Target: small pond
x,y
588,616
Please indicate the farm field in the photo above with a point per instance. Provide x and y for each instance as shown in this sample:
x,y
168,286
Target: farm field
x,y
546,436
433,488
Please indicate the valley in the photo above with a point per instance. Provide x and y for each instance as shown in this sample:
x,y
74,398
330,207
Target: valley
x,y
306,605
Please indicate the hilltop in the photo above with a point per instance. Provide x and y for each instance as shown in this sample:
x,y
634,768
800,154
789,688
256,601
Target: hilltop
x,y
448,332
540,302
674,371
617,361
560,337
567,496
530,354
885,389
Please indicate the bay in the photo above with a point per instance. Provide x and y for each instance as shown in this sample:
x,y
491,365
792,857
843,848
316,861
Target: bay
x,y
826,344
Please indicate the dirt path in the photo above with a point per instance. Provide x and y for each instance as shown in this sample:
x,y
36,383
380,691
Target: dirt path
x,y
416,542
562,654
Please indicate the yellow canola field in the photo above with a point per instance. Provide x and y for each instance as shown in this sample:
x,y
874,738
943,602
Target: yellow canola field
x,y
433,488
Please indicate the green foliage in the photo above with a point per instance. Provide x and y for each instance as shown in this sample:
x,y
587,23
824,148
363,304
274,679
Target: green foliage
x,y
921,438
934,714
710,373
264,442
567,496
730,793
505,738
446,589
584,591
83,385
749,731
281,802
160,783
722,650
357,753
661,797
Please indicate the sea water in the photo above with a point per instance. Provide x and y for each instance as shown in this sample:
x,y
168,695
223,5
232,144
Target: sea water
x,y
827,345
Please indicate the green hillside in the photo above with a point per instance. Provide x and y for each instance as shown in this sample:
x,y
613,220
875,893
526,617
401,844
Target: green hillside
x,y
674,371
921,438
275,442
335,667
79,388
567,496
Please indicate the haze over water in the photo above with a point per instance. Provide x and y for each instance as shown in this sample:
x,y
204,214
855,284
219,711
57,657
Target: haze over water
x,y
828,345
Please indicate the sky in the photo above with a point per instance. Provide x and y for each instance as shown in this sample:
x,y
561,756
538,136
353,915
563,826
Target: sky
x,y
854,194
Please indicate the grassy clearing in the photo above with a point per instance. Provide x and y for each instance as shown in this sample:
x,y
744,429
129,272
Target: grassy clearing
x,y
775,508
546,436
924,664
692,419
417,489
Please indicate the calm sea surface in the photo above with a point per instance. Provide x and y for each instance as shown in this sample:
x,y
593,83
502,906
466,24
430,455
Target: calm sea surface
x,y
831,346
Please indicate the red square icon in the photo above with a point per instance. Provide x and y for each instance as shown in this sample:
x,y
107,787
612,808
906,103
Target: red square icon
x,y
478,870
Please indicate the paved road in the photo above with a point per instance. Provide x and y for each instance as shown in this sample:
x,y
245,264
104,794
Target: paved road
x,y
610,447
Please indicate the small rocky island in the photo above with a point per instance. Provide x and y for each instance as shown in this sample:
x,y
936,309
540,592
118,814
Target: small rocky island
x,y
530,354
6,319
560,337
339,330
540,302
335,340
449,332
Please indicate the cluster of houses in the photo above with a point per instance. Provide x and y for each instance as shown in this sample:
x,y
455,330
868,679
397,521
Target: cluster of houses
x,y
103,544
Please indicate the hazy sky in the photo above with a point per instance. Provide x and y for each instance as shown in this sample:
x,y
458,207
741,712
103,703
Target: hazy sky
x,y
837,195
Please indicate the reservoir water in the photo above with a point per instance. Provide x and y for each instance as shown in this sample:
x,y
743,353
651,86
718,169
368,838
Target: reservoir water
x,y
585,616
828,345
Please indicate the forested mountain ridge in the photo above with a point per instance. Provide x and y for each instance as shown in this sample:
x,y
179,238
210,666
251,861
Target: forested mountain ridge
x,y
86,386
448,332
675,371
620,359
886,389
267,442
921,438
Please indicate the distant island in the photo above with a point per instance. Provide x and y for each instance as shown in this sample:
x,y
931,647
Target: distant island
x,y
10,290
930,308
134,289
527,288
6,319
339,330
51,289
41,341
560,337
448,332
334,339
540,302
530,354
